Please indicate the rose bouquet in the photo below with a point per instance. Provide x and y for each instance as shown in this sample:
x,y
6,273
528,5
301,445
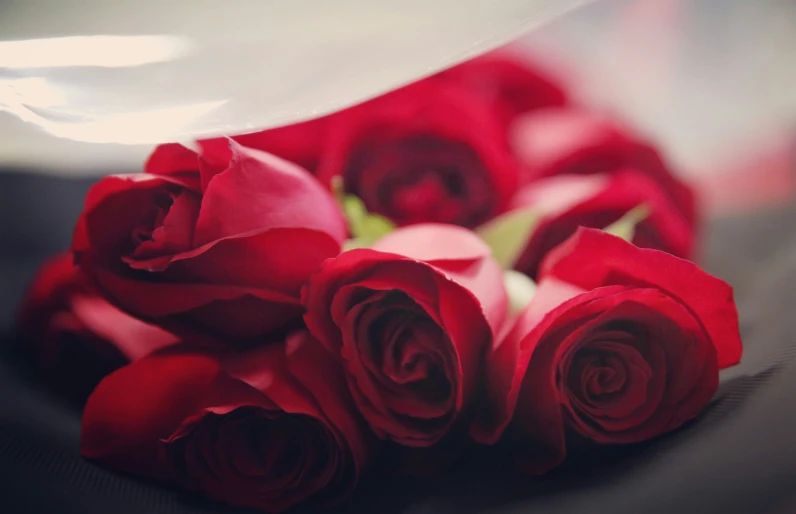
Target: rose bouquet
x,y
473,259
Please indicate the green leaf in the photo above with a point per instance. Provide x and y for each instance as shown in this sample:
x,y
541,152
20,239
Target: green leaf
x,y
625,227
507,235
365,228
520,289
358,242
362,223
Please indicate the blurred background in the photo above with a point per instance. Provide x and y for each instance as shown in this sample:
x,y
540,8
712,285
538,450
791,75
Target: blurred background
x,y
712,80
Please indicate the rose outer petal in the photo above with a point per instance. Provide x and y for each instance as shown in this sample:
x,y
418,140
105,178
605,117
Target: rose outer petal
x,y
303,378
144,412
260,191
507,364
317,370
562,141
131,336
512,83
432,242
278,259
136,406
463,257
568,201
591,258
175,160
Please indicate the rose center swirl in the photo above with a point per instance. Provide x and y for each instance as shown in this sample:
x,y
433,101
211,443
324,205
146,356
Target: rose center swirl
x,y
609,377
277,452
405,351
152,218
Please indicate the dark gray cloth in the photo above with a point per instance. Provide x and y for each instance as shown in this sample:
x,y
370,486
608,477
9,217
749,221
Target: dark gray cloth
x,y
740,456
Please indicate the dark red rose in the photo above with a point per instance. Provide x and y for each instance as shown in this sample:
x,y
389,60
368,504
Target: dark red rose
x,y
512,84
210,246
575,141
566,202
429,152
74,335
411,318
266,428
301,143
619,345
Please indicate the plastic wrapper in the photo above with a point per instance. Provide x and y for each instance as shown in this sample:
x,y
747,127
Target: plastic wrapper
x,y
700,76
145,72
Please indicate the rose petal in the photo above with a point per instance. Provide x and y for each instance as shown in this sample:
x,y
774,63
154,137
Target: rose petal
x,y
267,192
512,83
566,202
136,406
507,364
315,368
279,259
112,210
153,299
203,313
461,255
301,143
563,141
175,160
432,242
334,274
132,337
175,235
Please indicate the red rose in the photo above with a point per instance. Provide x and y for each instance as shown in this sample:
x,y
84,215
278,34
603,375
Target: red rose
x,y
75,336
566,202
429,152
214,246
267,428
412,328
564,141
618,345
301,143
512,84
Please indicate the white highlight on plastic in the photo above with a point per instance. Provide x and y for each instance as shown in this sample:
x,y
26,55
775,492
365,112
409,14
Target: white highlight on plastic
x,y
132,128
32,91
99,51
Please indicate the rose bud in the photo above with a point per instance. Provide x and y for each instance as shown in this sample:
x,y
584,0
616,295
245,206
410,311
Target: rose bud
x,y
429,152
565,202
76,337
513,84
266,428
618,345
573,141
212,247
411,318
